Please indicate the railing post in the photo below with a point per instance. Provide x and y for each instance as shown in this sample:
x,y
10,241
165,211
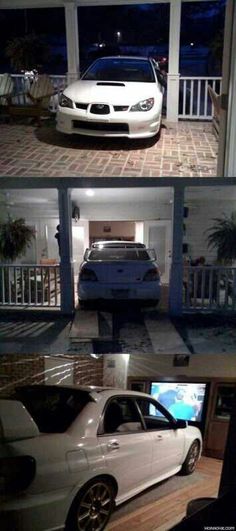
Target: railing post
x,y
174,50
66,266
176,275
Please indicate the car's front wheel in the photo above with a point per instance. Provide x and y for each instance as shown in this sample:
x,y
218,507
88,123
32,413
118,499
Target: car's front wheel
x,y
92,508
191,460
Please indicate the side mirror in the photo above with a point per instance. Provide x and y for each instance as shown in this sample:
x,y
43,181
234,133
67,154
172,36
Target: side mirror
x,y
180,424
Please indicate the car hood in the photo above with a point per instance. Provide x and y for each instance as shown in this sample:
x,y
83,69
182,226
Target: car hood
x,y
122,93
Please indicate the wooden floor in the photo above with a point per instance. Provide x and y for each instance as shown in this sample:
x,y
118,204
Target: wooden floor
x,y
170,508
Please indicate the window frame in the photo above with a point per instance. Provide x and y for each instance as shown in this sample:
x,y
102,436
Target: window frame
x,y
100,430
165,412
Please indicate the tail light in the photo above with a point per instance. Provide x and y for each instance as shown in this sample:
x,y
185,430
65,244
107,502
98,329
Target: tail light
x,y
88,274
152,275
16,473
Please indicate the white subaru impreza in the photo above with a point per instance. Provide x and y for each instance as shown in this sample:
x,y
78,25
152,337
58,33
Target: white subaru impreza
x,y
68,455
116,97
116,270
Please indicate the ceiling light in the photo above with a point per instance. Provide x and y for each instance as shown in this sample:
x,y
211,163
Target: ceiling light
x,y
89,193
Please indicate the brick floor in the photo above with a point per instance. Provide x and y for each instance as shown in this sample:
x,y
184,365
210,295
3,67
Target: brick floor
x,y
186,149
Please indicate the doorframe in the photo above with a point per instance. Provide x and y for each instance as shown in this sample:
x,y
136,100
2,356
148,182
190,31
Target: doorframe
x,y
167,223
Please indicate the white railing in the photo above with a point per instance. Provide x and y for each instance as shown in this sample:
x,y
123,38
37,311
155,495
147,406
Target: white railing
x,y
194,100
30,285
21,86
209,288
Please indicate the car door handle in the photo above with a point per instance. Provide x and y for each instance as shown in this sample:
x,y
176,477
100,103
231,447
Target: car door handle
x,y
114,445
159,438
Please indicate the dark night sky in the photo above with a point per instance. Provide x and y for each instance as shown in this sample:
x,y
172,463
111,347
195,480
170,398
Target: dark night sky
x,y
146,24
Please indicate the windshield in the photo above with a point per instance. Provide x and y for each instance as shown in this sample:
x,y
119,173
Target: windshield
x,y
117,69
113,254
52,408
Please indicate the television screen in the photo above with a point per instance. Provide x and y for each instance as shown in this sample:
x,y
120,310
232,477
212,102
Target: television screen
x,y
183,400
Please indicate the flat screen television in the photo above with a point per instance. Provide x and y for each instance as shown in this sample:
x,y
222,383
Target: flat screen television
x,y
183,400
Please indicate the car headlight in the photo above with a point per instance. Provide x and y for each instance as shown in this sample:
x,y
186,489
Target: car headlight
x,y
144,105
65,102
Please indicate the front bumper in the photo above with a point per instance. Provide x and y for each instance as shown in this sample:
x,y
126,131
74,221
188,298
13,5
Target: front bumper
x,y
125,291
118,124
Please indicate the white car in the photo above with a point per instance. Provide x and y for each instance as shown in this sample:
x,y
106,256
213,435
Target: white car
x,y
116,97
68,455
119,271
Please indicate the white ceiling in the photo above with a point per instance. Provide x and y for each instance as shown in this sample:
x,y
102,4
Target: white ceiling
x,y
44,198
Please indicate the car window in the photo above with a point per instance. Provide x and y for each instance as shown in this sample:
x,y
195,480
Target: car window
x,y
52,409
155,417
121,416
114,254
115,69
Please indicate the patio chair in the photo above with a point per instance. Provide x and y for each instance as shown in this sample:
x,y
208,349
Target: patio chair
x,y
38,98
216,103
6,88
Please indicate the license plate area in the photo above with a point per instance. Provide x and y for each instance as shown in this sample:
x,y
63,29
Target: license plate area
x,y
120,293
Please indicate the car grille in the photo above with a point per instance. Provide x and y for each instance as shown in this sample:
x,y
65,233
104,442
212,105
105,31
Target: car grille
x,y
100,126
100,108
81,106
119,108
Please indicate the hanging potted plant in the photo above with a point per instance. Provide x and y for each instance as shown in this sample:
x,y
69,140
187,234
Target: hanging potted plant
x,y
15,238
222,237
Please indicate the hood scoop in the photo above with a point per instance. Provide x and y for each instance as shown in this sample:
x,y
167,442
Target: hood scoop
x,y
109,84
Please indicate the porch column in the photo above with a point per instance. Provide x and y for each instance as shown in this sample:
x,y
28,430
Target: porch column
x,y
66,269
174,50
228,137
176,274
72,40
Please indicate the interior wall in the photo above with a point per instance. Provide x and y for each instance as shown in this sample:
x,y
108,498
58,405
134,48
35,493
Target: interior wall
x,y
124,229
207,366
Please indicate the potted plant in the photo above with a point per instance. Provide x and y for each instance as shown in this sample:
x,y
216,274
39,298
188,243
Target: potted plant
x,y
222,237
15,238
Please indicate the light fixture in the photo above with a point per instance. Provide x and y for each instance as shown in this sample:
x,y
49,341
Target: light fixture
x,y
89,193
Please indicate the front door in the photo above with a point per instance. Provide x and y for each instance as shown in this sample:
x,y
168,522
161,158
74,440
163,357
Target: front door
x,y
157,235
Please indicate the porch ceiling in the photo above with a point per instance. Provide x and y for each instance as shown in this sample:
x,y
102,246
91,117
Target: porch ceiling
x,y
24,4
40,198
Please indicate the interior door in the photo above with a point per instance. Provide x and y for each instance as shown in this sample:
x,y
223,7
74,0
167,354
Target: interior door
x,y
219,417
157,235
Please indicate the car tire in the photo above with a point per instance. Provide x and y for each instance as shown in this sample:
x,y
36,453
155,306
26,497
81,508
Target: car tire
x,y
92,507
191,460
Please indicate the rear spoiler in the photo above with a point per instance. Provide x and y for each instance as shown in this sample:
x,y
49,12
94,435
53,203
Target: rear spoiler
x,y
151,252
15,422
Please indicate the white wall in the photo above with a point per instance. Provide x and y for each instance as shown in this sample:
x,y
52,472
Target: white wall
x,y
207,365
125,211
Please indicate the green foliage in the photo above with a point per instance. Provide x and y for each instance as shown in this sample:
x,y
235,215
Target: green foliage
x,y
28,52
15,237
222,236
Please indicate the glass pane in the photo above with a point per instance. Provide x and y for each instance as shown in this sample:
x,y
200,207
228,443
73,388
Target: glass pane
x,y
224,401
121,416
